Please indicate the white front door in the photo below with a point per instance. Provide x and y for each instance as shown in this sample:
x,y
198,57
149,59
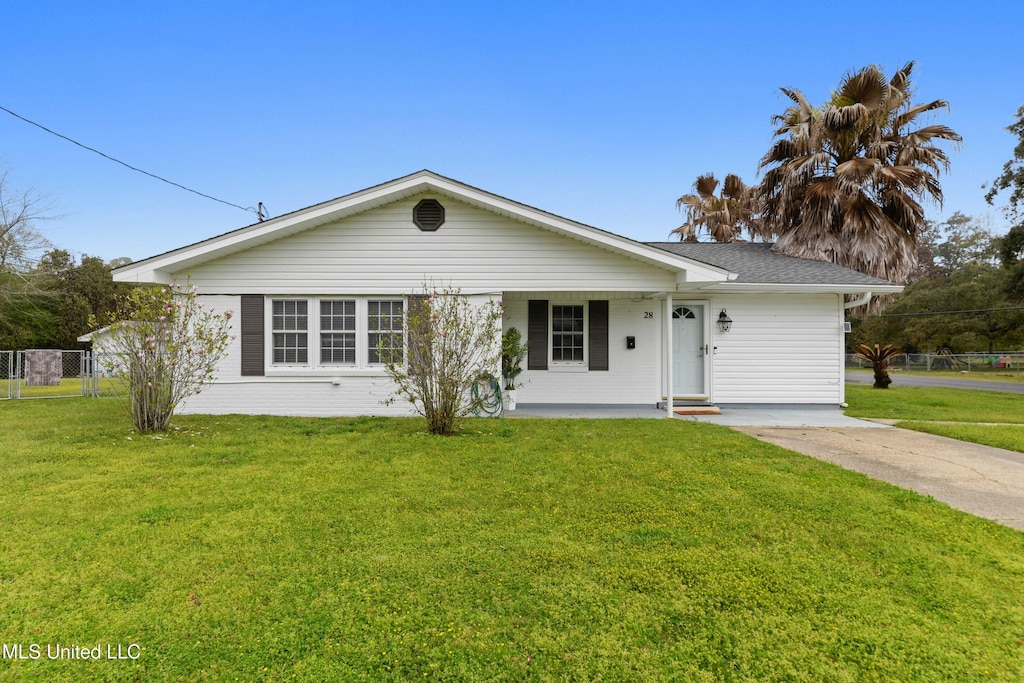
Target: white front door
x,y
688,350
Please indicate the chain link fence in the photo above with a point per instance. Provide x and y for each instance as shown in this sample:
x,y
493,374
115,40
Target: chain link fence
x,y
997,363
105,378
6,375
46,373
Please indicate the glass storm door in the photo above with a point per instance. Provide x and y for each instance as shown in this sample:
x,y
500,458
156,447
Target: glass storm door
x,y
688,350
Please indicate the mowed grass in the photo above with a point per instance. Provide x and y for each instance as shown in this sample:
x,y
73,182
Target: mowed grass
x,y
1002,436
934,404
69,386
954,413
1009,374
258,548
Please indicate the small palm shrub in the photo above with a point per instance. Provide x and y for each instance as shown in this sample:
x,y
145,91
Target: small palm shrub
x,y
879,357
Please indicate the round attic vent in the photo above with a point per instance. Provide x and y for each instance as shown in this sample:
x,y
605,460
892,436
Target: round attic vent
x,y
428,215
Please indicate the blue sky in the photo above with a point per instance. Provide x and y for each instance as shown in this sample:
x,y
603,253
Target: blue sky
x,y
604,113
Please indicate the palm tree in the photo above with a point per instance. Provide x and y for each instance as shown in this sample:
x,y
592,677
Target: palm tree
x,y
879,357
845,182
723,217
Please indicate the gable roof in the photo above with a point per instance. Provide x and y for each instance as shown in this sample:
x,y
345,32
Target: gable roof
x,y
756,263
161,267
734,267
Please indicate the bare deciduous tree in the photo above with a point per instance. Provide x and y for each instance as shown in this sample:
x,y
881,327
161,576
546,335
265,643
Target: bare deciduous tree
x,y
21,243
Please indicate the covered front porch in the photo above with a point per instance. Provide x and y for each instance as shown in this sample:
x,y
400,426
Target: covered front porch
x,y
614,348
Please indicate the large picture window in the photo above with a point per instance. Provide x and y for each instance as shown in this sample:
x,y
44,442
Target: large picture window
x,y
290,331
346,331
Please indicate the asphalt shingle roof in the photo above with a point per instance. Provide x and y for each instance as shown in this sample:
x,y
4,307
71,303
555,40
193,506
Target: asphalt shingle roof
x,y
757,263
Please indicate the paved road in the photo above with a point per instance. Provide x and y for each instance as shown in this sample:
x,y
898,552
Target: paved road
x,y
952,382
985,481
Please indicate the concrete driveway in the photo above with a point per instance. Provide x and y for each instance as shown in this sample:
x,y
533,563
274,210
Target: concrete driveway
x,y
984,481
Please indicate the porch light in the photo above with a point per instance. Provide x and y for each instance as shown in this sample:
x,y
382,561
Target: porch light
x,y
724,321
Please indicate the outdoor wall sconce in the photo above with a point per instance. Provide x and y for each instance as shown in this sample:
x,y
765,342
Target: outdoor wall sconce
x,y
724,321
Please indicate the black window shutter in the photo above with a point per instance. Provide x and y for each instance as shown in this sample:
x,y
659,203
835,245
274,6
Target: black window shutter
x,y
417,302
537,335
598,335
252,335
417,310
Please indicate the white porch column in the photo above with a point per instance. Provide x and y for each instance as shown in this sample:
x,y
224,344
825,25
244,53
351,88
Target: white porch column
x,y
669,392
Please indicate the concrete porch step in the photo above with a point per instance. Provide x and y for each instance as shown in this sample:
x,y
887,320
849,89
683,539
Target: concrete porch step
x,y
696,410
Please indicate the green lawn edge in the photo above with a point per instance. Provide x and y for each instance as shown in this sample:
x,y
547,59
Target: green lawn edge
x,y
263,548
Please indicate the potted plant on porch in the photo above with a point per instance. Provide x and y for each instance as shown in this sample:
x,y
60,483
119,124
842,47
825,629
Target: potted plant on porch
x,y
513,351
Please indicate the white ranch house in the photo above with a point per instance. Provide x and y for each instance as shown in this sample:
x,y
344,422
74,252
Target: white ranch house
x,y
609,320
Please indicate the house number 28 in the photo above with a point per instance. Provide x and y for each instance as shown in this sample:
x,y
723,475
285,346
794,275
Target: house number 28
x,y
648,314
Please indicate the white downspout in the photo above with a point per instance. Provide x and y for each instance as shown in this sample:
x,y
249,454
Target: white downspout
x,y
866,297
860,301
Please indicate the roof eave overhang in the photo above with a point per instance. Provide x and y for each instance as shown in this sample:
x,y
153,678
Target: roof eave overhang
x,y
783,288
162,268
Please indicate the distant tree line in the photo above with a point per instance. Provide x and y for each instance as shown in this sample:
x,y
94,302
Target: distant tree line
x,y
967,290
47,297
961,297
51,304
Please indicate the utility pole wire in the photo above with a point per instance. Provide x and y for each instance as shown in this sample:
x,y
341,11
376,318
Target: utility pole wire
x,y
972,310
138,170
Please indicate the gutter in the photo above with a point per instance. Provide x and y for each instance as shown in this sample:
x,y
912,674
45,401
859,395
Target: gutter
x,y
863,299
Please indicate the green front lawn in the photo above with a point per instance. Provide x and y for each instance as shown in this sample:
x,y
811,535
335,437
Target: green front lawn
x,y
1010,437
954,413
934,404
257,548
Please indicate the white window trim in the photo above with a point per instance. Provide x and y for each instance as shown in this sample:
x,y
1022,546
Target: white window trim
x,y
314,367
269,327
320,332
568,365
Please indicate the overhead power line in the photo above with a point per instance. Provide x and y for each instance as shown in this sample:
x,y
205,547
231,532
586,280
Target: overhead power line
x,y
972,310
250,209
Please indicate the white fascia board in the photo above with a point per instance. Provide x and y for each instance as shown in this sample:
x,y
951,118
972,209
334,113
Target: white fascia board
x,y
755,288
160,268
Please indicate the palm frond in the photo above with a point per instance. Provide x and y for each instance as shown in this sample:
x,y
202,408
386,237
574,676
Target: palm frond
x,y
705,185
906,117
844,183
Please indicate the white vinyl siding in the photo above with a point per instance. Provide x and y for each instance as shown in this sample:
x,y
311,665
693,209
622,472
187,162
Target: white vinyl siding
x,y
301,396
633,374
781,349
382,252
324,390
